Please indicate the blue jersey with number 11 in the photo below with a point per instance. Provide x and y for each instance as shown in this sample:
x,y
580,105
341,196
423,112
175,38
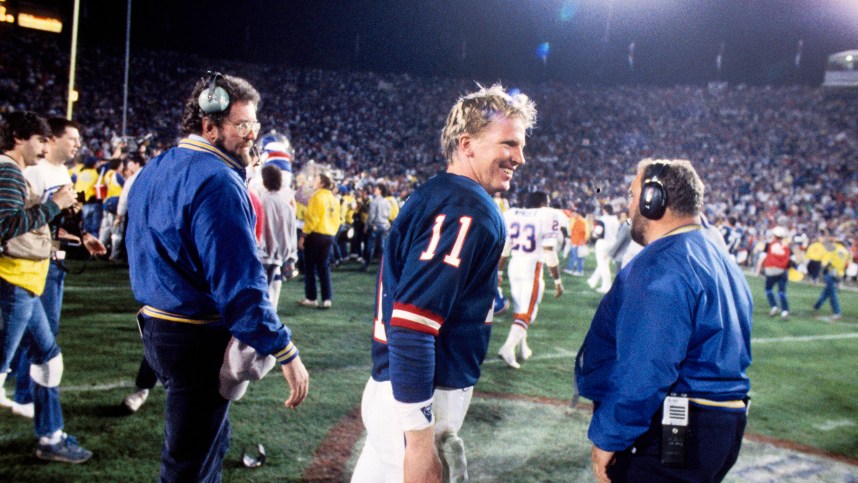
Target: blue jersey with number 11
x,y
436,289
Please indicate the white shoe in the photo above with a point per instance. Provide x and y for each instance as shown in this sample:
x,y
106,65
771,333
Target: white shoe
x,y
592,283
326,304
5,402
603,290
508,356
785,314
524,351
26,410
308,303
134,400
773,311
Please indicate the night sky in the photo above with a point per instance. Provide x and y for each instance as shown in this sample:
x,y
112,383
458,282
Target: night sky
x,y
676,41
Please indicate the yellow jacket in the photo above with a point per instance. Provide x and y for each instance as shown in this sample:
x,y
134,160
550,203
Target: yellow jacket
x,y
347,208
394,207
837,259
815,251
85,180
323,213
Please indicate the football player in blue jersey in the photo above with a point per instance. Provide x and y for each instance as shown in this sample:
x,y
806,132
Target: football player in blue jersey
x,y
437,281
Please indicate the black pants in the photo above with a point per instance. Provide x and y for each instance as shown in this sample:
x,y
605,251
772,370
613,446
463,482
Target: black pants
x,y
712,447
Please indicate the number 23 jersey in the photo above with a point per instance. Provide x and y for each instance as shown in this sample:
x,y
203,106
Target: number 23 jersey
x,y
438,280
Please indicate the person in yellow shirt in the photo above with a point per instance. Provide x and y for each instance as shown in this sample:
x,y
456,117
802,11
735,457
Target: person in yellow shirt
x,y
321,223
348,205
834,263
109,233
814,255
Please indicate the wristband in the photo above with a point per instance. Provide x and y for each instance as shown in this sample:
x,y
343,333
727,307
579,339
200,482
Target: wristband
x,y
500,273
558,282
415,416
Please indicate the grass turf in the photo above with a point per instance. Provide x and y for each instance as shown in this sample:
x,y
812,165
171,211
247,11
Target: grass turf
x,y
803,390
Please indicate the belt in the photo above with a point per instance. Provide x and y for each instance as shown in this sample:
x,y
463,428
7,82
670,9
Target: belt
x,y
736,404
171,317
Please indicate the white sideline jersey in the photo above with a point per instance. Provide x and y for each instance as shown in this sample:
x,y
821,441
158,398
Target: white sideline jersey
x,y
530,230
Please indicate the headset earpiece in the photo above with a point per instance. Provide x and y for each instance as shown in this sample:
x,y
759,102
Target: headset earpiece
x,y
213,99
653,198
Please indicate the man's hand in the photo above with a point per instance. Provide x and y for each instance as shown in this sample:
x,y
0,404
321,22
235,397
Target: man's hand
x,y
299,382
601,460
93,245
422,463
64,197
117,221
64,235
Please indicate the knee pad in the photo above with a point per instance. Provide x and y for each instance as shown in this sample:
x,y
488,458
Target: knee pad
x,y
49,373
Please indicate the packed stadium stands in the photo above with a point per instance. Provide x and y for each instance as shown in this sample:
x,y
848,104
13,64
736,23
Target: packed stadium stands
x,y
768,155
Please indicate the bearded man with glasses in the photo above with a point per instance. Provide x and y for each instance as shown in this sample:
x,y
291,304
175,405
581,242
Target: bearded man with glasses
x,y
193,266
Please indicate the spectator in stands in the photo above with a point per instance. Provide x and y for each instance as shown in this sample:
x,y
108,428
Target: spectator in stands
x,y
24,267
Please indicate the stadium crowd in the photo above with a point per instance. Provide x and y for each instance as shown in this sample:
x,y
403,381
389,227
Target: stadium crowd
x,y
768,155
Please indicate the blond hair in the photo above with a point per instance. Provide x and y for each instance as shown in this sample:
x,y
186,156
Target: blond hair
x,y
473,112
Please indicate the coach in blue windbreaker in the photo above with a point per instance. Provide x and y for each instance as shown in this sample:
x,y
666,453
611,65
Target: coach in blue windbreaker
x,y
676,322
193,265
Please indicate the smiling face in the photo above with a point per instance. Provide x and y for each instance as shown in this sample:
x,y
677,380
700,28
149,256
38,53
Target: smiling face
x,y
492,157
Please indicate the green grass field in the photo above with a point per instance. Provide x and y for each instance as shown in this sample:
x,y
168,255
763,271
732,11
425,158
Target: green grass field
x,y
519,427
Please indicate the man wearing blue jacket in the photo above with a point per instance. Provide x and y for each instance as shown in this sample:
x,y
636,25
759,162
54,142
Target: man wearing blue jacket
x,y
193,265
665,359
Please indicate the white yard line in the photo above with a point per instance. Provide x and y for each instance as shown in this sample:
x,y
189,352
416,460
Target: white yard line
x,y
804,338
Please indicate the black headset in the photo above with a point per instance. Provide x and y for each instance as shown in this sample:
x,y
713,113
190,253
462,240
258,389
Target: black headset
x,y
213,99
653,199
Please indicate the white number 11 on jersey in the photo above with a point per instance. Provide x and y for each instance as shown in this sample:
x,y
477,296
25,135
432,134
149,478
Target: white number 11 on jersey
x,y
453,257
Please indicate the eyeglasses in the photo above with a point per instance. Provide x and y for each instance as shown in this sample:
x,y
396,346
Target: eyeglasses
x,y
245,127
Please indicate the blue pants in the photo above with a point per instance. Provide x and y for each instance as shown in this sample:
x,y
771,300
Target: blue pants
x,y
712,447
375,236
317,261
25,324
52,302
187,360
781,280
829,292
92,218
575,263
